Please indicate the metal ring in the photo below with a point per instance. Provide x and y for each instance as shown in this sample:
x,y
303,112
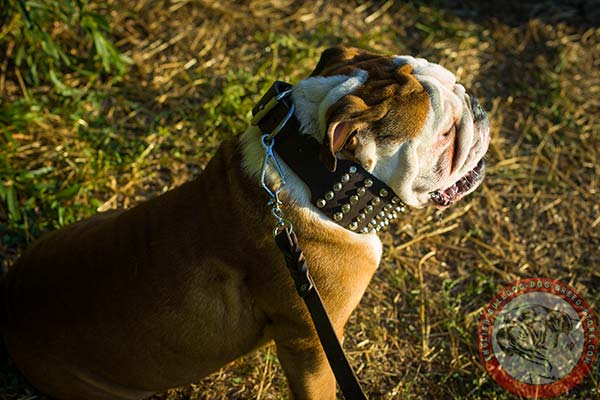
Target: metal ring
x,y
277,213
267,141
283,94
284,223
283,122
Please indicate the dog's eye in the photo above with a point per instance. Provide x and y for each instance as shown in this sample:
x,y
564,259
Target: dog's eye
x,y
450,133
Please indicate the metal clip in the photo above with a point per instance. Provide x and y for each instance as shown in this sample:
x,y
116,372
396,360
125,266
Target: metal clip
x,y
275,203
265,109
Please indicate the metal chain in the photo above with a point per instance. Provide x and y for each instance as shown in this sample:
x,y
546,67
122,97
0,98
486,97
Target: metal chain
x,y
267,142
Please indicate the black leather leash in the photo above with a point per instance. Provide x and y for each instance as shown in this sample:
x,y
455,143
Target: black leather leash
x,y
296,263
351,196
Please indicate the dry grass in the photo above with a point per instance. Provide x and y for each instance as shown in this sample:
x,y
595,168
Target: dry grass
x,y
200,65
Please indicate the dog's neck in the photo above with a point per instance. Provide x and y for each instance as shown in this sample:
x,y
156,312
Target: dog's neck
x,y
349,195
295,194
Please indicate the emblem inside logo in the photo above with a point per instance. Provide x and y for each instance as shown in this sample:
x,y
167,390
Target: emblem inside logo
x,y
538,338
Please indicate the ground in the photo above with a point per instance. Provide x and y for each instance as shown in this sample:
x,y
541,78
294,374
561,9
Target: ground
x,y
80,144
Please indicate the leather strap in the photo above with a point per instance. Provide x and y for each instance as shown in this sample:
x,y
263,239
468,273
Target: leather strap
x,y
296,264
350,196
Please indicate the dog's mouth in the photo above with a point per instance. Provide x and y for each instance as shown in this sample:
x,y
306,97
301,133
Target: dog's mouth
x,y
462,187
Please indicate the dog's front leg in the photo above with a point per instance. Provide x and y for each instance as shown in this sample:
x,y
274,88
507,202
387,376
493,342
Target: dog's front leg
x,y
307,370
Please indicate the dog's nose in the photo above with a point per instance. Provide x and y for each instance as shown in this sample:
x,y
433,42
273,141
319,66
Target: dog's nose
x,y
479,114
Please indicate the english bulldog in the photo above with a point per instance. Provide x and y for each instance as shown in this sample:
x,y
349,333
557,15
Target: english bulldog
x,y
132,302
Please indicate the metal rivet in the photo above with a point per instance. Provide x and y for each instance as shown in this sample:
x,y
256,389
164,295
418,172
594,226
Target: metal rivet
x,y
329,196
368,209
383,192
381,214
368,183
321,203
346,208
400,209
394,215
390,216
388,207
337,187
352,170
361,191
345,178
375,201
353,199
338,216
360,217
365,230
353,226
395,200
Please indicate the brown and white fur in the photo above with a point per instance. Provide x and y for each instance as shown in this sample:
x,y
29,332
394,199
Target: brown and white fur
x,y
133,302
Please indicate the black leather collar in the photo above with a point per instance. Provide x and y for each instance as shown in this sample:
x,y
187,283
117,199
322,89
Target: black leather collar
x,y
350,196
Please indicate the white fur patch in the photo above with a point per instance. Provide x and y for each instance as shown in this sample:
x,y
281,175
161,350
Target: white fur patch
x,y
422,67
313,97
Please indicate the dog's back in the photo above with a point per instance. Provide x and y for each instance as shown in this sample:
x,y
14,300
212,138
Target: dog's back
x,y
106,292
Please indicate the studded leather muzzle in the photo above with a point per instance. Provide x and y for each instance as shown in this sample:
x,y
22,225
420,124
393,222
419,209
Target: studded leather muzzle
x,y
350,195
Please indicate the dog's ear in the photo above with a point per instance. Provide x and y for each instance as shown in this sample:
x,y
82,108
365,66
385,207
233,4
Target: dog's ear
x,y
390,98
344,119
337,136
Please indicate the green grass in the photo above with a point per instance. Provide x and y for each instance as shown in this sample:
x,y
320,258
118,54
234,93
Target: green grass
x,y
105,104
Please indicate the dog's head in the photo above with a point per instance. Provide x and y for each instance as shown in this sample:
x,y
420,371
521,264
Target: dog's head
x,y
404,119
